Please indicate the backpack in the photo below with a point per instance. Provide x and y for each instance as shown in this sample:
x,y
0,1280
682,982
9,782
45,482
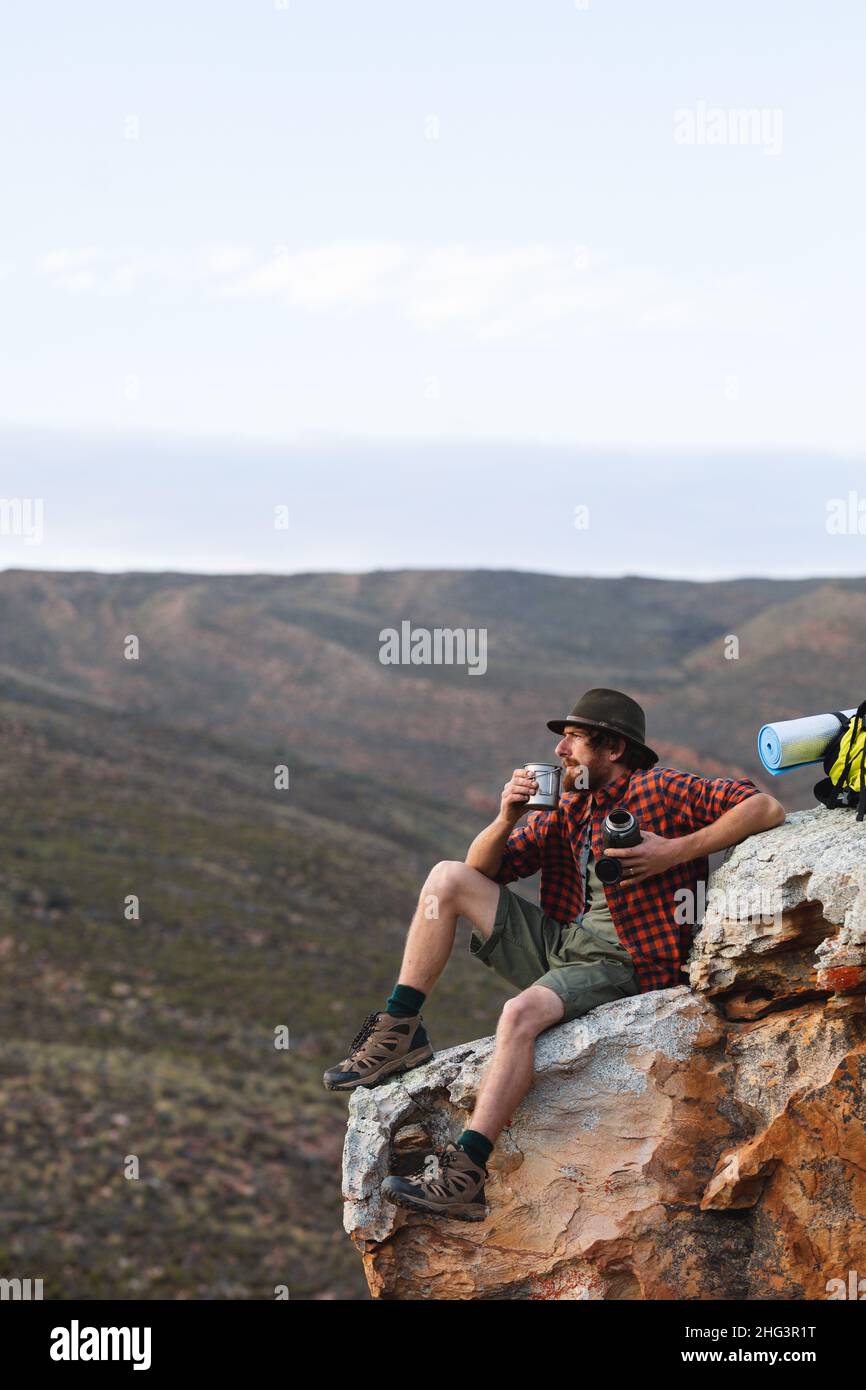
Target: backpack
x,y
845,783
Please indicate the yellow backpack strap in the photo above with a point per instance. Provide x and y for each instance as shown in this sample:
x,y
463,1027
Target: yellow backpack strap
x,y
852,735
854,732
838,792
858,721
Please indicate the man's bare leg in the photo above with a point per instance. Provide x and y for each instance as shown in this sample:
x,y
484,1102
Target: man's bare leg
x,y
385,1045
451,890
509,1074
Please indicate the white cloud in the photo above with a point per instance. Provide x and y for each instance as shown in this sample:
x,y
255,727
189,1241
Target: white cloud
x,y
453,283
490,293
347,274
223,259
67,259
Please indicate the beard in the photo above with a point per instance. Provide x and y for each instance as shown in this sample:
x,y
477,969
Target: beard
x,y
580,774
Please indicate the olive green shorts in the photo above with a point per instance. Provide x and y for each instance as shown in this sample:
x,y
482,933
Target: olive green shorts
x,y
526,947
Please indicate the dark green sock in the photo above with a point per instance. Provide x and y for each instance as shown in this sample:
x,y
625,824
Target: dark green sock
x,y
478,1146
404,1001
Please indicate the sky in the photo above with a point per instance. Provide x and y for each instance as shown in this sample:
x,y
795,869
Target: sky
x,y
382,245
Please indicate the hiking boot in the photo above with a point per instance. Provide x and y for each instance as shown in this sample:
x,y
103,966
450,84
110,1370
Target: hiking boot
x,y
383,1047
451,1185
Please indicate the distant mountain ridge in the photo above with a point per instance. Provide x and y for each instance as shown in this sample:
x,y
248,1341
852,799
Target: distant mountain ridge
x,y
293,662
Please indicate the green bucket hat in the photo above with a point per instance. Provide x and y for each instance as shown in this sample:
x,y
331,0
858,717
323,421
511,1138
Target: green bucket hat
x,y
611,710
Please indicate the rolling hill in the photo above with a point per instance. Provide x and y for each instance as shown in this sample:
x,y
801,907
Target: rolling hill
x,y
260,908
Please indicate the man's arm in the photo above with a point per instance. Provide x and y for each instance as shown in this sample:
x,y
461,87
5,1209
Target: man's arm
x,y
758,811
487,849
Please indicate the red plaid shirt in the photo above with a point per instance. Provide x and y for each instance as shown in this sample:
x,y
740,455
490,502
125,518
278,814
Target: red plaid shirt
x,y
646,914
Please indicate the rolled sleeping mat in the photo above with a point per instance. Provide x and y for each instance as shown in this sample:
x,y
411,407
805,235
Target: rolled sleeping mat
x,y
792,743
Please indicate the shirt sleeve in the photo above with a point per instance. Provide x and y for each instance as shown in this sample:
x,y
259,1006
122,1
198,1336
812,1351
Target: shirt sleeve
x,y
522,855
698,801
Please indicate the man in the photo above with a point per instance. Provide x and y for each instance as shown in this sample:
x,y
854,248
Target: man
x,y
585,945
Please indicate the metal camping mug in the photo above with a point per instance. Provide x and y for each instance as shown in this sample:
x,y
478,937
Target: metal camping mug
x,y
548,777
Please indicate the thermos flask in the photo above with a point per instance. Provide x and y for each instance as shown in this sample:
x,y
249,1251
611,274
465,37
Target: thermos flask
x,y
619,830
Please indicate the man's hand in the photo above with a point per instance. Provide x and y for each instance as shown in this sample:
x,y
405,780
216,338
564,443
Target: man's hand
x,y
486,851
515,794
653,855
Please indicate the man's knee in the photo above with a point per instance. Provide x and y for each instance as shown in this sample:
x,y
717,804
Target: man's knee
x,y
449,879
531,1011
455,890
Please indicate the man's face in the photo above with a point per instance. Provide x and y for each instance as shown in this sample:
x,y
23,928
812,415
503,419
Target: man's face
x,y
598,765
